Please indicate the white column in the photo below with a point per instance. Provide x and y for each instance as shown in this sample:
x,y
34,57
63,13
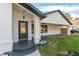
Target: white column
x,y
68,28
29,30
37,36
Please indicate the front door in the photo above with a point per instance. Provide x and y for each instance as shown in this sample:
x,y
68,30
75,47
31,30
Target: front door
x,y
23,30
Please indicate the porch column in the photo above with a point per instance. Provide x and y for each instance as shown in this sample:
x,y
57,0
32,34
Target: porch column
x,y
29,30
68,28
37,36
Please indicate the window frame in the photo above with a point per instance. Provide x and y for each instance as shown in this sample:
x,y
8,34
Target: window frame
x,y
45,25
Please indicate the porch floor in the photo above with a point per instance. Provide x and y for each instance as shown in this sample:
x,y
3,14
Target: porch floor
x,y
23,48
23,45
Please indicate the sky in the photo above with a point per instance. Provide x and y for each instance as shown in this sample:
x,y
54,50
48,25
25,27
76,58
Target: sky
x,y
71,8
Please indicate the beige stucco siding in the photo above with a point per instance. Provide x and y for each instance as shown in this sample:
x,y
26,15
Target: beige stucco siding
x,y
5,27
52,30
55,18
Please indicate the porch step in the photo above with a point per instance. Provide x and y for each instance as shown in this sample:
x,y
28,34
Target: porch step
x,y
24,45
22,52
22,48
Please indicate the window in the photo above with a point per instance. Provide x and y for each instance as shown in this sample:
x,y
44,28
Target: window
x,y
23,28
43,28
32,28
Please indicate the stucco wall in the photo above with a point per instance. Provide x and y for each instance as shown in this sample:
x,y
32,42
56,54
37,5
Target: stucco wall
x,y
17,14
55,18
52,30
5,27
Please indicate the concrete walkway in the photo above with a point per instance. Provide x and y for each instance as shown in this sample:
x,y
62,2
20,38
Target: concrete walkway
x,y
35,53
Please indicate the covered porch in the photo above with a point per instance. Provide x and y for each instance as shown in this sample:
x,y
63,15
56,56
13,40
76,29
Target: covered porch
x,y
24,37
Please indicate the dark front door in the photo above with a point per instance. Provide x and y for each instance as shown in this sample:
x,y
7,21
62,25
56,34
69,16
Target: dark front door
x,y
23,30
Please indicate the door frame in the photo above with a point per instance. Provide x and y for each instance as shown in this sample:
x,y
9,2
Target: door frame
x,y
19,29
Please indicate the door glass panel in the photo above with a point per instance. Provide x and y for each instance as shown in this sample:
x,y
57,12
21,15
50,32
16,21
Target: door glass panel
x,y
23,28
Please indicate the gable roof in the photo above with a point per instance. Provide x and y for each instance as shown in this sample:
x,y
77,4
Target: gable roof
x,y
33,9
60,14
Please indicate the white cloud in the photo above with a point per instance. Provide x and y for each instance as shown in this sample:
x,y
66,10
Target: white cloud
x,y
63,8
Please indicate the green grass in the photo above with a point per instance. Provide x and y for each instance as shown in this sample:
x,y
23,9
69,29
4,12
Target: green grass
x,y
58,44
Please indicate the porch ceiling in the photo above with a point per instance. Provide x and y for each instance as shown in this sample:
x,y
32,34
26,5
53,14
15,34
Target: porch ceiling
x,y
33,9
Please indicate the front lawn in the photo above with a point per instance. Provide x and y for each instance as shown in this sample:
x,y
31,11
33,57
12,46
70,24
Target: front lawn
x,y
59,44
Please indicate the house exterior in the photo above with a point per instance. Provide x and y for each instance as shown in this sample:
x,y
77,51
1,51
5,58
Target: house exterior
x,y
57,23
75,23
23,21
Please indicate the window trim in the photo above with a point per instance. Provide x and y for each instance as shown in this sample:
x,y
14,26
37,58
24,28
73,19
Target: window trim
x,y
46,27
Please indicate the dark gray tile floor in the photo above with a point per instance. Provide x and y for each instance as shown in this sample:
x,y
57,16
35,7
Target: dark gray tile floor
x,y
23,48
23,52
23,45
